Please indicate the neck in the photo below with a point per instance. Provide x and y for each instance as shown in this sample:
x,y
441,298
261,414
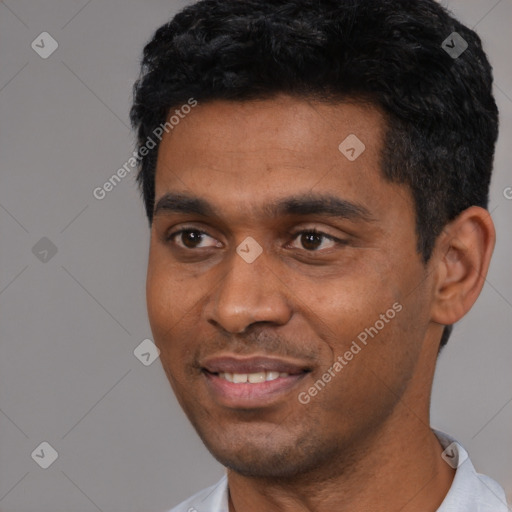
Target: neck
x,y
399,468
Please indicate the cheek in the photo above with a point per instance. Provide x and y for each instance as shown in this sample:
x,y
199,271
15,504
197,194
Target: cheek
x,y
169,304
160,296
344,308
367,319
169,294
368,355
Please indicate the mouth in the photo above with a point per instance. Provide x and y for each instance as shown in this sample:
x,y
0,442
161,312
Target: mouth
x,y
252,378
250,383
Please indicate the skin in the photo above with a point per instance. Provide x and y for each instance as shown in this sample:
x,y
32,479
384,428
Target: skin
x,y
363,442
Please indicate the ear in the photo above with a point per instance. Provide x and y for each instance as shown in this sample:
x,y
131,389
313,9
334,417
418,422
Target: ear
x,y
462,256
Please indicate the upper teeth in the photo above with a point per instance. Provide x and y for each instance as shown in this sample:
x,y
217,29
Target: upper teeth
x,y
253,378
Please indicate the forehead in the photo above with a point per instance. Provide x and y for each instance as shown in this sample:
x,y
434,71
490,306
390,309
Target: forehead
x,y
239,153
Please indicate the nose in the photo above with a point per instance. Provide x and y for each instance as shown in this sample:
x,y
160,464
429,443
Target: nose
x,y
249,293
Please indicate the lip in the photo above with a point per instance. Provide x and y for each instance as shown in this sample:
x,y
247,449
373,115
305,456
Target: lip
x,y
247,395
232,364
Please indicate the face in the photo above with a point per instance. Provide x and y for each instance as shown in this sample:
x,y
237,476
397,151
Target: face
x,y
284,287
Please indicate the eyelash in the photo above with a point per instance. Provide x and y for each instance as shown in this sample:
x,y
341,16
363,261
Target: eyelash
x,y
294,235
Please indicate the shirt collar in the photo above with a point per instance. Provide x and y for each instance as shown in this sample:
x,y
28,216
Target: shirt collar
x,y
470,491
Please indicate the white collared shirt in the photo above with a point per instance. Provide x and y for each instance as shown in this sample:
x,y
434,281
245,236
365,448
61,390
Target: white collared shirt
x,y
470,491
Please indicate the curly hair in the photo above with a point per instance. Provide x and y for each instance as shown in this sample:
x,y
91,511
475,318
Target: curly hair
x,y
441,117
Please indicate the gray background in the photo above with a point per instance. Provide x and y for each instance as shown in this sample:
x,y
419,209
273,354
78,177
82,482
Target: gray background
x,y
69,325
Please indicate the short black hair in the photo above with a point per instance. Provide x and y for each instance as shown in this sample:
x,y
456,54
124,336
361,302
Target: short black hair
x,y
441,117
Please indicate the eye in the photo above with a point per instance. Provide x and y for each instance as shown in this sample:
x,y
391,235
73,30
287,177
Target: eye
x,y
312,240
190,238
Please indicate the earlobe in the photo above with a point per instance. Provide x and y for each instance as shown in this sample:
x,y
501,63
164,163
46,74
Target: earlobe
x,y
464,252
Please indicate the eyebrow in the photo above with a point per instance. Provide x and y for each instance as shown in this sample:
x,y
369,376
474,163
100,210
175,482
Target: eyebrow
x,y
304,204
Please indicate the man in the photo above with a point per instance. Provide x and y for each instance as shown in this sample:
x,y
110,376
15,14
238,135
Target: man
x,y
316,178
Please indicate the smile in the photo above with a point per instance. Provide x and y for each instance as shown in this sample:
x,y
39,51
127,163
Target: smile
x,y
252,382
252,378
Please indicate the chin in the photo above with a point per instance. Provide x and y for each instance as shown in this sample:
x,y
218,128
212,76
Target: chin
x,y
257,465
265,456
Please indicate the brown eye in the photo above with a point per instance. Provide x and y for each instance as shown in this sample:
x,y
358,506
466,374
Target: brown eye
x,y
312,240
190,238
